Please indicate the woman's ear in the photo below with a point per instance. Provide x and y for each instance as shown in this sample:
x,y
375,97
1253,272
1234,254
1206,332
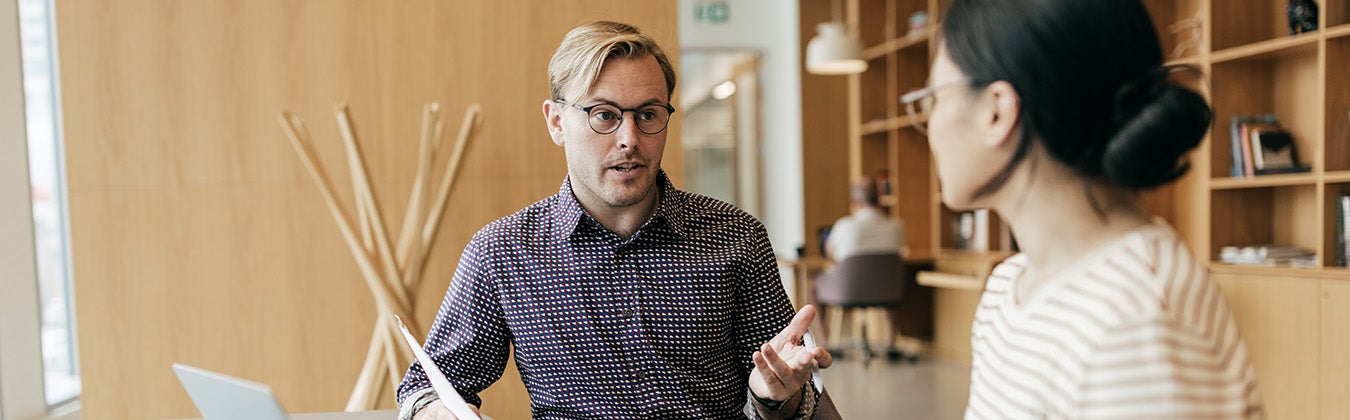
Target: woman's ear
x,y
553,119
1003,122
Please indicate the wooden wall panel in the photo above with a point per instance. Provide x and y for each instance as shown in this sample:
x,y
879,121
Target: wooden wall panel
x,y
198,237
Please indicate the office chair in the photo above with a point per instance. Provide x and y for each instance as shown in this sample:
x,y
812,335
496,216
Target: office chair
x,y
856,286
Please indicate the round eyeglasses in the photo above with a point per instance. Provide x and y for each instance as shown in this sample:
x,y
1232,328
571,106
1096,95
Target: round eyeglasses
x,y
606,118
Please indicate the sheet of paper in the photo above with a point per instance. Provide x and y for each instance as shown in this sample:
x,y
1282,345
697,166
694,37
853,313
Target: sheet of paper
x,y
439,383
810,343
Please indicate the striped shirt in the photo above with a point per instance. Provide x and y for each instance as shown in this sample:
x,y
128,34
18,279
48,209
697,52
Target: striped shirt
x,y
1137,330
661,325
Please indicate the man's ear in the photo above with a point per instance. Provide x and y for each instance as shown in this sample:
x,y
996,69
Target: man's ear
x,y
553,119
1006,112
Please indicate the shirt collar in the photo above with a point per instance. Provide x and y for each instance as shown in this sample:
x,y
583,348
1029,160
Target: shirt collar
x,y
567,212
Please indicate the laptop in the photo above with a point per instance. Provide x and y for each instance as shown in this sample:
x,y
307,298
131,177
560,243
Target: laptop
x,y
222,397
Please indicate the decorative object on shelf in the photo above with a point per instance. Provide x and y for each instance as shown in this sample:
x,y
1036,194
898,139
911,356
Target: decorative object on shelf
x,y
918,23
972,231
832,51
1190,40
1302,16
1273,150
393,272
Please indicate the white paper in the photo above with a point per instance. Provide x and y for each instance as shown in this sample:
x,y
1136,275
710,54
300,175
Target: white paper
x,y
810,343
439,383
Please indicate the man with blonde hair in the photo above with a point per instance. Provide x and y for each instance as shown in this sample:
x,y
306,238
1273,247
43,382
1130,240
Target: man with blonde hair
x,y
622,296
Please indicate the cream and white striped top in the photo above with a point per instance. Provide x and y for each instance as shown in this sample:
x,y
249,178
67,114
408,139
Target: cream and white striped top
x,y
1137,330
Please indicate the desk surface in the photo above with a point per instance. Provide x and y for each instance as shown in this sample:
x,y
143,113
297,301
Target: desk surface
x,y
361,415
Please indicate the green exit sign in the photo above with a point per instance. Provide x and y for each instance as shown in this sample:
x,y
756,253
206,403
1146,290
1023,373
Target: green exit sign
x,y
712,12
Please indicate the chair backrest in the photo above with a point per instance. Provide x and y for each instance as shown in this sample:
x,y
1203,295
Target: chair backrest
x,y
863,280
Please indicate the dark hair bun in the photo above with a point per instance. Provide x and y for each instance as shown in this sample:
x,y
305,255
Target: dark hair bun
x,y
1157,123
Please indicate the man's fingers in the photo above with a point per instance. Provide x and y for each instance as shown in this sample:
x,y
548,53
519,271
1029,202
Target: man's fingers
x,y
823,357
770,378
787,374
795,329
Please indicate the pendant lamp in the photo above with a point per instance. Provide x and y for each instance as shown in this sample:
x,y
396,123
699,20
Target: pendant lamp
x,y
833,52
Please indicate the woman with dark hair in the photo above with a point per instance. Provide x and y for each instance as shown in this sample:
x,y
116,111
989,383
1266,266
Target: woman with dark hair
x,y
1056,113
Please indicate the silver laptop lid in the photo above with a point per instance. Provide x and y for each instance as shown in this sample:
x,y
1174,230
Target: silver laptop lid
x,y
223,397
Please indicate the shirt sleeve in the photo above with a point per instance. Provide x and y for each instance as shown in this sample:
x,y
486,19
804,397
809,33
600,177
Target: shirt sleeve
x,y
762,307
1157,368
469,340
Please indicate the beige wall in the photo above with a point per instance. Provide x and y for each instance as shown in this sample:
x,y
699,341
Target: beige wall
x,y
198,238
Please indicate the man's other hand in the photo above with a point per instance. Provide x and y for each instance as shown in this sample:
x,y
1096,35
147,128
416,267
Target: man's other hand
x,y
784,364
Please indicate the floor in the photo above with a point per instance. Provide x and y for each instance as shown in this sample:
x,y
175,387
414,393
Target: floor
x,y
898,390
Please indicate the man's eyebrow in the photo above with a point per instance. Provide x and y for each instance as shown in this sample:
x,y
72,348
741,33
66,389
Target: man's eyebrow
x,y
601,99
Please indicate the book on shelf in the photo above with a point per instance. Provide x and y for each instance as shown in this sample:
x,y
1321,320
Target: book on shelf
x,y
882,182
1254,139
1343,230
1244,133
1268,255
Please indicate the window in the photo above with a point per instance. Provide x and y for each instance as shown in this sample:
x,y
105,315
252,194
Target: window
x,y
46,175
721,141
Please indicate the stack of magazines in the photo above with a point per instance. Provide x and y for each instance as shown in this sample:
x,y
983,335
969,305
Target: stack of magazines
x,y
1268,255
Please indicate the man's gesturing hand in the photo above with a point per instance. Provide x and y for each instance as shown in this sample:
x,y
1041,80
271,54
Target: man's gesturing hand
x,y
784,364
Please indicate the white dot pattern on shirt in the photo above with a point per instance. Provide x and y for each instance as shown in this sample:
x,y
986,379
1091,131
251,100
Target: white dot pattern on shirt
x,y
660,326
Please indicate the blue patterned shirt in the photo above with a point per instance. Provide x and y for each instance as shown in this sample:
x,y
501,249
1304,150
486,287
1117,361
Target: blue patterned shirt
x,y
661,325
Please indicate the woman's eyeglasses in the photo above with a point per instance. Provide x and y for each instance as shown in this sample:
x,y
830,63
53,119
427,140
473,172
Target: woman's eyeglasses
x,y
919,104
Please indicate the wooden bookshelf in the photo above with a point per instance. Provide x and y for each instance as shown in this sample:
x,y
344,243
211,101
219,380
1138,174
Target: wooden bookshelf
x,y
881,134
1255,67
1251,66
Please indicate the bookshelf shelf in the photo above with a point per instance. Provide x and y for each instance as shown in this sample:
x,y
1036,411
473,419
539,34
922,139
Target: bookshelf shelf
x,y
877,126
1272,48
919,39
888,124
1262,181
1339,273
1340,31
1337,177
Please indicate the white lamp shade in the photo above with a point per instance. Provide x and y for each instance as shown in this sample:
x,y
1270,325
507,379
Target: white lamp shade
x,y
833,52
